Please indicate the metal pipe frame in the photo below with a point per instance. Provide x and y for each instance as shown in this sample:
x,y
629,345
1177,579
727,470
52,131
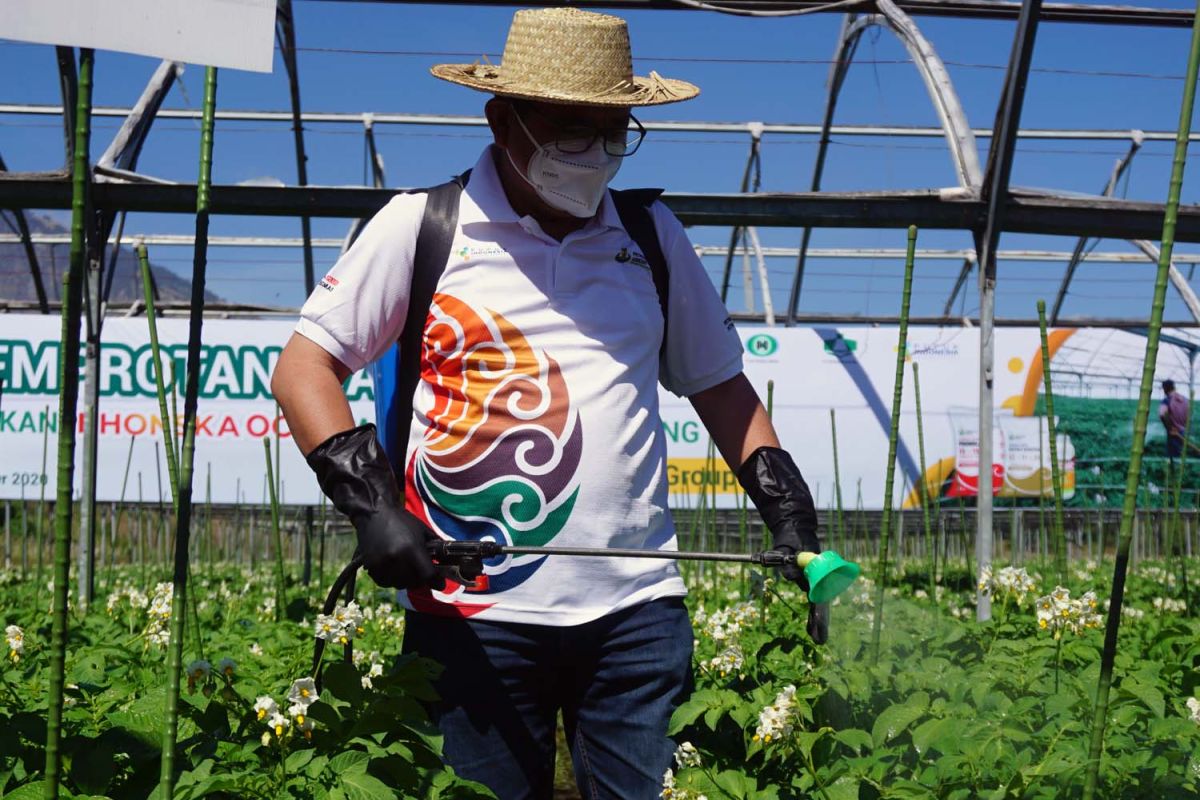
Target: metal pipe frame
x,y
1023,212
285,34
840,253
969,262
1081,245
27,242
753,163
666,126
378,178
245,310
995,191
959,138
972,9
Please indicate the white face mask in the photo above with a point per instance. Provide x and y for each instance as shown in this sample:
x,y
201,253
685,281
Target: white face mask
x,y
571,182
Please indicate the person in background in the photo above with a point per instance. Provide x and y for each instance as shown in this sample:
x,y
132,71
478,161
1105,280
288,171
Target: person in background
x,y
1173,411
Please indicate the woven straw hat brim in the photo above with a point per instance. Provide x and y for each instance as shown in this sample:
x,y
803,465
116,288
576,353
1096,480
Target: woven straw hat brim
x,y
652,90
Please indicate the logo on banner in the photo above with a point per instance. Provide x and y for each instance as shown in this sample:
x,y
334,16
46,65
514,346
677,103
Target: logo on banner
x,y
762,345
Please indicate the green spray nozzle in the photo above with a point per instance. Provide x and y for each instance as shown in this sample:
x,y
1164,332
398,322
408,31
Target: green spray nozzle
x,y
828,574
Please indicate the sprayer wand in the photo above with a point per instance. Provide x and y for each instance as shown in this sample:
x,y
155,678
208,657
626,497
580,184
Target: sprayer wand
x,y
462,562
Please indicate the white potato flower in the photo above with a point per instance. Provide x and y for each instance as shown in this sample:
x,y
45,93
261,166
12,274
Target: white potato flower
x,y
686,755
778,719
303,692
15,637
265,707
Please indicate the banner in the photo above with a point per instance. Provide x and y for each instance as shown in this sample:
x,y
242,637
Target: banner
x,y
812,373
220,33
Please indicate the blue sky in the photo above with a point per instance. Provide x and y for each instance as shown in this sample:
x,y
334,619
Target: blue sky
x,y
772,70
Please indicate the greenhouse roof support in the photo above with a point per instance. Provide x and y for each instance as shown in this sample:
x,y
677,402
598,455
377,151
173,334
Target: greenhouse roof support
x,y
1024,212
959,138
285,35
977,9
995,195
697,126
1078,255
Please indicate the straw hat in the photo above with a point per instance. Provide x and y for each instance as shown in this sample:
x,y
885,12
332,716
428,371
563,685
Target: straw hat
x,y
564,55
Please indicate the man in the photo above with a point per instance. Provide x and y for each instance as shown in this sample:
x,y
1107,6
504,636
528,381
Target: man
x,y
1173,411
536,421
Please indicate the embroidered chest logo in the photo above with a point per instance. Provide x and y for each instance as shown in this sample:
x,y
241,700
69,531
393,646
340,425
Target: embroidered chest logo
x,y
468,252
627,256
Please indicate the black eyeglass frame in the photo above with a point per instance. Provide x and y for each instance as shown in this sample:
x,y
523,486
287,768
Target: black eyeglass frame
x,y
580,138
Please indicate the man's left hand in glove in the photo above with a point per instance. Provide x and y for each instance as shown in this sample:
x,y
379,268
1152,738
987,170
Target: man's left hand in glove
x,y
773,481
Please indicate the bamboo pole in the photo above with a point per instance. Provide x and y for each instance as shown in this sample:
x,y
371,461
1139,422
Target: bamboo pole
x,y
183,515
40,532
894,432
837,483
923,492
68,399
1060,541
1132,477
159,383
279,572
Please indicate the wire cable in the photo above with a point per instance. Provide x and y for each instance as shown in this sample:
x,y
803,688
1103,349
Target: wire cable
x,y
747,12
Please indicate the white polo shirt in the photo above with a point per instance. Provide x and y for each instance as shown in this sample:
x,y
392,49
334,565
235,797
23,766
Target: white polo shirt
x,y
536,420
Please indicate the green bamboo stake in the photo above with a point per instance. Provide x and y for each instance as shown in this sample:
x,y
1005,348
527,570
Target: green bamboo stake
x,y
1175,551
885,529
120,512
923,490
68,400
279,571
1041,490
837,484
1060,538
41,516
183,517
1143,412
159,383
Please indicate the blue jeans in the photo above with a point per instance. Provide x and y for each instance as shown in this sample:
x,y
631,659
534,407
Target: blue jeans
x,y
616,680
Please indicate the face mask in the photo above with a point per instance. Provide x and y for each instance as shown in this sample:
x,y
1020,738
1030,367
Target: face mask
x,y
571,182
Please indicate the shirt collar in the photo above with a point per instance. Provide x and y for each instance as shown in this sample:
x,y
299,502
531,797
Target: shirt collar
x,y
484,199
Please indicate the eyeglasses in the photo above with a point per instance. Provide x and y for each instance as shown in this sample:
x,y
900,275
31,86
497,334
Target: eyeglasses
x,y
572,138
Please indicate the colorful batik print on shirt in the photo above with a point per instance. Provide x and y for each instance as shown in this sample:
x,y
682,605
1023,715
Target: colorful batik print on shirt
x,y
499,460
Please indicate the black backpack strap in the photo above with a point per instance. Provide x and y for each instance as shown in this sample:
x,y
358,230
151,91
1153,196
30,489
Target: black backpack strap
x,y
633,206
429,262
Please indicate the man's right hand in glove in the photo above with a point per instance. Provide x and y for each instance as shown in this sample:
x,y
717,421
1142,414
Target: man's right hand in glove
x,y
355,475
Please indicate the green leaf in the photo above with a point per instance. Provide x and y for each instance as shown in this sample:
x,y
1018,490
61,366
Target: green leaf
x,y
894,719
854,738
349,761
1149,695
737,784
30,791
805,740
936,734
297,759
844,788
343,681
686,714
363,786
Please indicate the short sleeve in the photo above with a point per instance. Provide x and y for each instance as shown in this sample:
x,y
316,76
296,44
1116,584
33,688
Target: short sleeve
x,y
703,348
357,310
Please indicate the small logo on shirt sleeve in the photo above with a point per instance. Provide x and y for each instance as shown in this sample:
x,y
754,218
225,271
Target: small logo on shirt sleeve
x,y
328,283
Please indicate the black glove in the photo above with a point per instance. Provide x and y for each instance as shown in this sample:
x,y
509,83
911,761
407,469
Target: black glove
x,y
773,481
355,475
